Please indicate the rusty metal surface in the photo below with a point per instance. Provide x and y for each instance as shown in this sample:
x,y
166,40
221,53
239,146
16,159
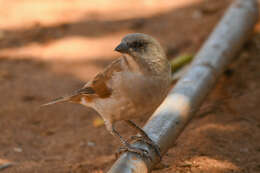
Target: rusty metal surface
x,y
173,115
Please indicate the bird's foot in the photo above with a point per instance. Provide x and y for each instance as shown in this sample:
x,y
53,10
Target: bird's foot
x,y
149,142
128,148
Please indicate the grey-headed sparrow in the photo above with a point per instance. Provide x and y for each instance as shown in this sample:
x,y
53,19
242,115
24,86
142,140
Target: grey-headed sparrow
x,y
132,86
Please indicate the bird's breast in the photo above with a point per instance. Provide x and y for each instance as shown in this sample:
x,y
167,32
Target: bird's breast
x,y
133,95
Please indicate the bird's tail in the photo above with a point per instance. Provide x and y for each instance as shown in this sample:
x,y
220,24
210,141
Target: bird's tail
x,y
61,100
57,100
75,97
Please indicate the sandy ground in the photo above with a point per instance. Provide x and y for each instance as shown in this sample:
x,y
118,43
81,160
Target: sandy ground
x,y
49,48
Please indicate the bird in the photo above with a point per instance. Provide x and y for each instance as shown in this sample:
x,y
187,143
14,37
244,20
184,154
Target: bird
x,y
131,86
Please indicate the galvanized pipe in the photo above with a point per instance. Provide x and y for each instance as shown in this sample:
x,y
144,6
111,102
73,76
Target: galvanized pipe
x,y
185,98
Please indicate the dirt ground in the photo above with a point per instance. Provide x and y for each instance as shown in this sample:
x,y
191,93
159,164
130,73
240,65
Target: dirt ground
x,y
49,48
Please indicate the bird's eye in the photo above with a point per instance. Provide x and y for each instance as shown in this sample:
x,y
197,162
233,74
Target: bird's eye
x,y
137,44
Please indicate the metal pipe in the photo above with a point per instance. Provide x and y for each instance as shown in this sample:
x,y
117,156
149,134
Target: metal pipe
x,y
176,111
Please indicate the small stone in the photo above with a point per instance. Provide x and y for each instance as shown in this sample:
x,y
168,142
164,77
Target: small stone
x,y
18,150
91,144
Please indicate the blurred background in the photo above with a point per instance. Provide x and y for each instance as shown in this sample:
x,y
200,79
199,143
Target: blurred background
x,y
50,48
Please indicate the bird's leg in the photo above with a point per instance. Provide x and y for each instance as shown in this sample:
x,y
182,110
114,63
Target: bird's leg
x,y
144,137
127,146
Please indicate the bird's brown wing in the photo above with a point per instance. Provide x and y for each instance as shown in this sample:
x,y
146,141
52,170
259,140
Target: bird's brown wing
x,y
97,87
100,82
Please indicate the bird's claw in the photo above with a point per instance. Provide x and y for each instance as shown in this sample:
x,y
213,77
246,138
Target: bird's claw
x,y
142,152
149,142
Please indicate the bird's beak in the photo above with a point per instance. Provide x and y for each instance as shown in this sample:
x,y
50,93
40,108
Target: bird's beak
x,y
122,47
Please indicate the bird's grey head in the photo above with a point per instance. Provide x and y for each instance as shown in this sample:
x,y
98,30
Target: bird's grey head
x,y
140,45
